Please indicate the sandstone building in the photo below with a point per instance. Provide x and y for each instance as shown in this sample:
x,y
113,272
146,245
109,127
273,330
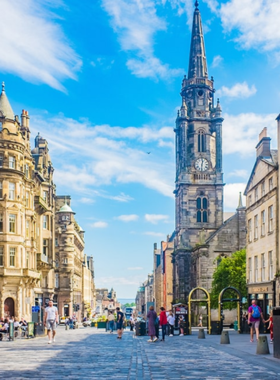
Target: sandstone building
x,y
262,216
201,234
41,244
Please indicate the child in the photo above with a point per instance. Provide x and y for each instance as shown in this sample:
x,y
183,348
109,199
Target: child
x,y
270,326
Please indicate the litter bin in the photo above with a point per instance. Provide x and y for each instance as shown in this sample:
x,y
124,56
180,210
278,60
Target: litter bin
x,y
216,327
276,332
140,328
235,325
11,331
39,329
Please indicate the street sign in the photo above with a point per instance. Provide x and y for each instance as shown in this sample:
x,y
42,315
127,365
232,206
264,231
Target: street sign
x,y
35,309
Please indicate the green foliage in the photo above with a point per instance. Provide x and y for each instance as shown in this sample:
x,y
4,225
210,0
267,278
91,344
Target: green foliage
x,y
231,271
129,304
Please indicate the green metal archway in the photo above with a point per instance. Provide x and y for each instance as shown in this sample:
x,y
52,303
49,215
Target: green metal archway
x,y
200,300
222,300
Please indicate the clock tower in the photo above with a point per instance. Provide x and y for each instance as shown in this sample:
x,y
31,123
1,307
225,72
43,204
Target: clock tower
x,y
199,177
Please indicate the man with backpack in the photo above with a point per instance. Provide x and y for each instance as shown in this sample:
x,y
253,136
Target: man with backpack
x,y
254,317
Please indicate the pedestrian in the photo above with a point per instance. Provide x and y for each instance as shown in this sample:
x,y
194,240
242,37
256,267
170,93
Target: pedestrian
x,y
51,320
152,316
181,325
163,322
171,322
199,321
254,316
119,323
157,327
111,320
270,325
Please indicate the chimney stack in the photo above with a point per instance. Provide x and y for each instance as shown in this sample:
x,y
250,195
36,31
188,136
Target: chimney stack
x,y
23,119
263,146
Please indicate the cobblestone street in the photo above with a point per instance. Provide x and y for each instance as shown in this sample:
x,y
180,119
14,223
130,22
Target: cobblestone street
x,y
88,353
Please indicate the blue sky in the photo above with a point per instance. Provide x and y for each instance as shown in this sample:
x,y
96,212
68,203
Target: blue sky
x,y
101,80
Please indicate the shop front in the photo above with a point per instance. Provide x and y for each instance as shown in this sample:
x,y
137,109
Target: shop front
x,y
265,296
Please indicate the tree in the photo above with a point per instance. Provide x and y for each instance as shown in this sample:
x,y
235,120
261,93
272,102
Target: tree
x,y
230,271
129,304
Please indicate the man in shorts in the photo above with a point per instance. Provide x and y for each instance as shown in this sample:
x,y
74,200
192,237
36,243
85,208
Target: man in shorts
x,y
119,323
50,320
254,317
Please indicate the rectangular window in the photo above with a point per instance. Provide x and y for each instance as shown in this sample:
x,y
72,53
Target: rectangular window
x,y
45,222
262,267
263,223
270,218
56,280
270,183
250,230
12,187
256,195
56,242
12,223
12,257
27,229
65,260
256,221
263,189
27,259
27,199
1,222
27,171
12,162
1,190
270,263
45,247
1,160
45,195
250,200
1,256
256,268
250,269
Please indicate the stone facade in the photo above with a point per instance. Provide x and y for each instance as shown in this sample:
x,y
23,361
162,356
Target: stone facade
x,y
35,241
201,235
262,219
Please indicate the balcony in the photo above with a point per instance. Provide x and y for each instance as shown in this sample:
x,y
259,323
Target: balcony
x,y
43,262
31,273
18,272
40,205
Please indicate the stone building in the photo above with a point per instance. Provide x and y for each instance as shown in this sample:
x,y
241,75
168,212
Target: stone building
x,y
158,279
34,246
262,208
201,234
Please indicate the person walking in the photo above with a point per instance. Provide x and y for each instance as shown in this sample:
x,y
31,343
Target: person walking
x,y
152,316
51,320
163,322
200,321
111,320
181,325
254,316
119,323
171,322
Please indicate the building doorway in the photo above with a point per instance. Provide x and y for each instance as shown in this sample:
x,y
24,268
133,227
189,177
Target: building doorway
x,y
9,308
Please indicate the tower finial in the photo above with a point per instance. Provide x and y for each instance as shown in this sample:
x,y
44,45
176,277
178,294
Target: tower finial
x,y
196,4
240,205
3,86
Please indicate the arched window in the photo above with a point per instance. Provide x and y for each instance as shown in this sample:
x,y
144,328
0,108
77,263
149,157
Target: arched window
x,y
202,210
201,141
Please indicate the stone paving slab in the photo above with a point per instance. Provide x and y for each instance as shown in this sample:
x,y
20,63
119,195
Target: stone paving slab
x,y
88,353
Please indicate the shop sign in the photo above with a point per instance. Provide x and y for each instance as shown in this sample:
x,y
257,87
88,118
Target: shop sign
x,y
260,289
181,310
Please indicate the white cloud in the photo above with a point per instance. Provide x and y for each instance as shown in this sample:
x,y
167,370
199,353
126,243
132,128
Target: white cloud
x,y
135,268
241,132
33,45
255,20
155,234
99,224
114,158
155,218
87,200
136,23
242,173
217,60
128,218
231,195
239,90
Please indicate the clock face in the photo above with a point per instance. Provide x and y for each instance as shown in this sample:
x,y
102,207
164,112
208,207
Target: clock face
x,y
201,164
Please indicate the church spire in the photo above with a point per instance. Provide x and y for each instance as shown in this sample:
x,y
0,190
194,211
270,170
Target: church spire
x,y
197,63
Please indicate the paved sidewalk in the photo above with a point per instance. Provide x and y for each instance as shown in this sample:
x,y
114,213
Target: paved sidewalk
x,y
88,353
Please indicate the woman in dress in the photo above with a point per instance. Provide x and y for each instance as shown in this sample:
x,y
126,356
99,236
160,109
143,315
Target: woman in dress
x,y
152,316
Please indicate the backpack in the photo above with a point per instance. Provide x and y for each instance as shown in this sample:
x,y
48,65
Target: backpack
x,y
256,312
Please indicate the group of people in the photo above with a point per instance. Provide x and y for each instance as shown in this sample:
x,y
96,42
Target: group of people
x,y
165,319
5,324
120,322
